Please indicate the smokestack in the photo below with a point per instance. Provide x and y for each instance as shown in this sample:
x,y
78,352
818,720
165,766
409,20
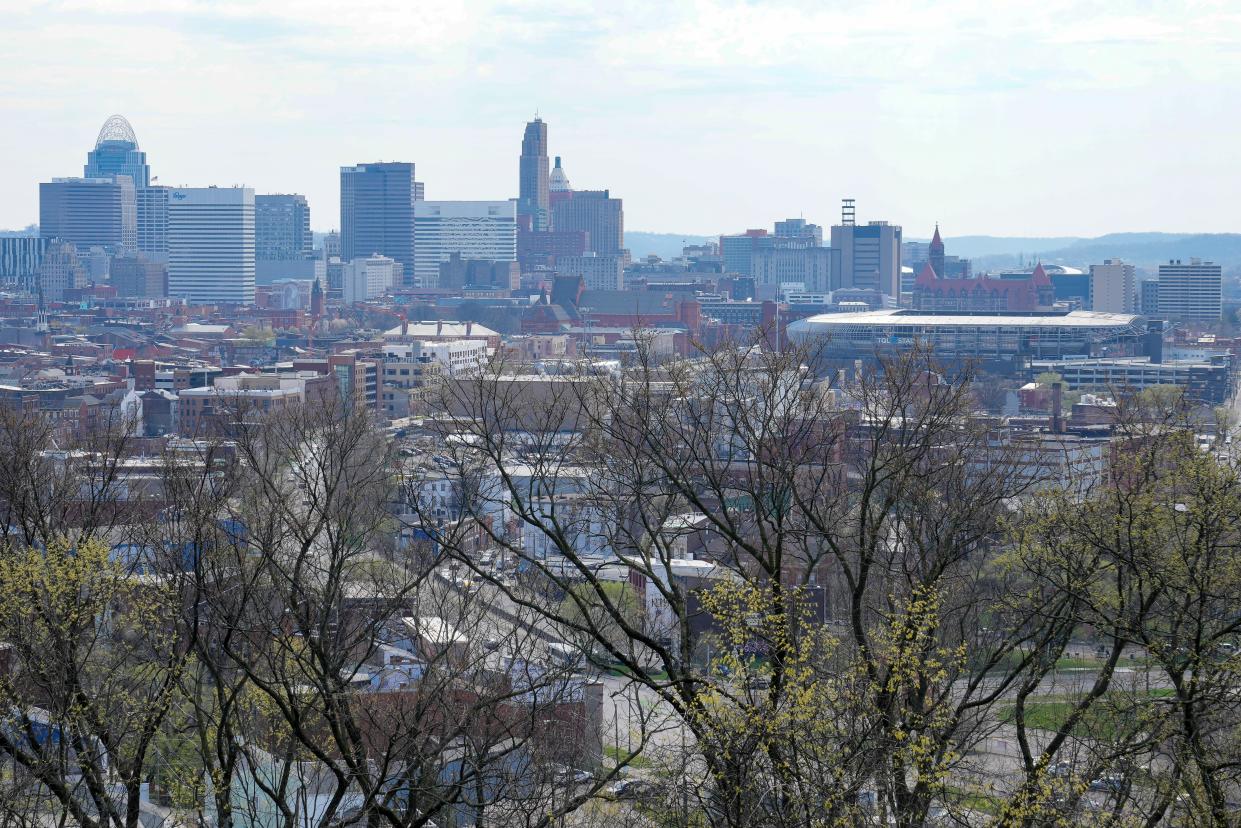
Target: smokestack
x,y
404,324
1057,403
439,326
469,328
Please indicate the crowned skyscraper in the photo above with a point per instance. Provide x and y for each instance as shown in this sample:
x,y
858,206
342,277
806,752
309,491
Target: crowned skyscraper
x,y
116,153
533,199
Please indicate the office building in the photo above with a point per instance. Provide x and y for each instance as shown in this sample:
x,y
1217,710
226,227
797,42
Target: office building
x,y
533,180
60,270
90,212
1191,291
20,257
377,212
116,153
1113,287
282,228
558,181
368,278
479,274
598,214
331,245
738,250
137,276
597,272
1148,297
799,228
153,222
472,229
211,244
870,255
543,249
812,269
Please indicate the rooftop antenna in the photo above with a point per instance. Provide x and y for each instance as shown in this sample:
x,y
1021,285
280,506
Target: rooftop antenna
x,y
848,213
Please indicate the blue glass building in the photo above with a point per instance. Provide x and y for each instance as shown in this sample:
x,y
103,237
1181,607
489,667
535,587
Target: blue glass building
x,y
116,153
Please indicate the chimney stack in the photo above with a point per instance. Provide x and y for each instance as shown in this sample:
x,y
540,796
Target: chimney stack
x,y
439,326
404,323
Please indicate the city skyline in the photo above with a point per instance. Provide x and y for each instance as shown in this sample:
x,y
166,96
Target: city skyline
x,y
1054,120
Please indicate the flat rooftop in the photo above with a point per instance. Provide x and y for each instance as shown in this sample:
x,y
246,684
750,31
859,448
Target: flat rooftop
x,y
905,316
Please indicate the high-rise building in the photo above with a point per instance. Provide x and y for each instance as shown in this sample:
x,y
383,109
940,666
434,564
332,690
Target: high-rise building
x,y
558,181
1192,292
597,213
153,222
60,270
20,257
870,255
140,277
799,228
533,183
812,269
211,244
377,212
1113,287
472,229
368,278
331,244
90,212
1148,297
282,228
737,250
116,153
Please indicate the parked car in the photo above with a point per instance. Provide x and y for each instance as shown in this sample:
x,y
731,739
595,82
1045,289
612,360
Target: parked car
x,y
633,789
564,773
1108,782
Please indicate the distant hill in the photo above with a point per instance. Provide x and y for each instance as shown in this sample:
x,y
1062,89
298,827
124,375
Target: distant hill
x,y
973,247
663,245
1146,250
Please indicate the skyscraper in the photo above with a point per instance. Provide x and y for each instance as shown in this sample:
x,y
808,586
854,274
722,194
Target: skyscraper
x,y
377,212
1192,291
20,257
533,181
211,244
282,228
90,212
870,255
484,230
1113,287
153,222
597,213
116,153
558,181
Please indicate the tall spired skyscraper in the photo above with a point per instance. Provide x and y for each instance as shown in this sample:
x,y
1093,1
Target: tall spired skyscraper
x,y
116,153
532,198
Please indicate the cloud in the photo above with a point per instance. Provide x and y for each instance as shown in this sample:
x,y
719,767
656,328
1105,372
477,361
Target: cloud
x,y
658,100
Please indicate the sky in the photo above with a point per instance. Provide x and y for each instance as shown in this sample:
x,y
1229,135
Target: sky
x,y
1055,117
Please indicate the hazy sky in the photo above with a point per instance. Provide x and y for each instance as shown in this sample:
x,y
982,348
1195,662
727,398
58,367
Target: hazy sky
x,y
1033,118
